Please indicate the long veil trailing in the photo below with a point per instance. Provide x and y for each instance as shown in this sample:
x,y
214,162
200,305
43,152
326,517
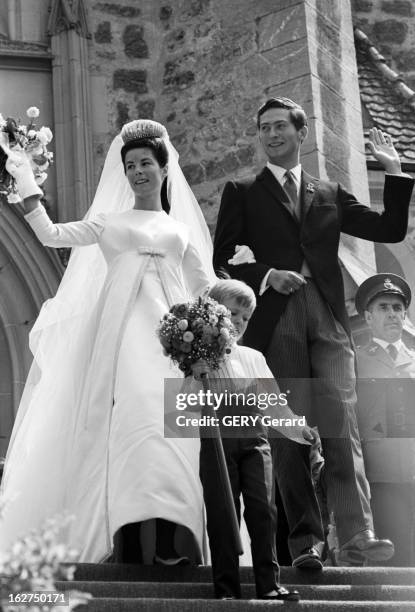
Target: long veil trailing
x,y
38,478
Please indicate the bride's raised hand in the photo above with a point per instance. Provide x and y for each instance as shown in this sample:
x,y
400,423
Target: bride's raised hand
x,y
19,167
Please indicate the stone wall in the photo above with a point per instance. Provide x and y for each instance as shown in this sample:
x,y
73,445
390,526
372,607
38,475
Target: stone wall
x,y
203,67
193,65
390,24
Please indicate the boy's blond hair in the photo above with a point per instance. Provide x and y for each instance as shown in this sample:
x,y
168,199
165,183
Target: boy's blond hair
x,y
230,288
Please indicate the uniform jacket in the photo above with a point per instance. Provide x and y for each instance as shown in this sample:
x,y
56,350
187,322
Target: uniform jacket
x,y
256,212
386,413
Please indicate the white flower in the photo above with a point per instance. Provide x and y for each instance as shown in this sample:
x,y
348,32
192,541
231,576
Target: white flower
x,y
45,135
33,112
31,134
13,198
221,309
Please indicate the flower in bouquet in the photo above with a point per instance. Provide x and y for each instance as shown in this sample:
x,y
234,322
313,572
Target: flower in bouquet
x,y
197,330
32,566
15,136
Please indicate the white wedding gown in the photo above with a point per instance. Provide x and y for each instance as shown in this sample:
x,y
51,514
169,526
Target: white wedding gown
x,y
105,460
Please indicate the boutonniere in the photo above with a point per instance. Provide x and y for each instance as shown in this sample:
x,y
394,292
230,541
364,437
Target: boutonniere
x,y
310,188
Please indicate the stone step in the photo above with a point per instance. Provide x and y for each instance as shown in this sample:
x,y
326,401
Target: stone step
x,y
188,590
117,572
213,605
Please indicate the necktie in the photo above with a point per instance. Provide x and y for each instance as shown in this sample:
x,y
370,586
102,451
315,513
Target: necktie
x,y
291,189
393,351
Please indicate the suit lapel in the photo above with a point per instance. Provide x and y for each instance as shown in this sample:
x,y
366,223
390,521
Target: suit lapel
x,y
309,186
308,190
275,189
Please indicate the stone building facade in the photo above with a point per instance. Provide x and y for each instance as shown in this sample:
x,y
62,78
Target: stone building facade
x,y
202,67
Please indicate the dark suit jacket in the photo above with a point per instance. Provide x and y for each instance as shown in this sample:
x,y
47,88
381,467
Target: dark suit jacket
x,y
386,413
256,212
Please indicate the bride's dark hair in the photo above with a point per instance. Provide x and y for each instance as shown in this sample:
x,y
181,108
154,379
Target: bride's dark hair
x,y
159,149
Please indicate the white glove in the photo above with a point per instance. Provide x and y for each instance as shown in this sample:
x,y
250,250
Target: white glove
x,y
243,255
18,165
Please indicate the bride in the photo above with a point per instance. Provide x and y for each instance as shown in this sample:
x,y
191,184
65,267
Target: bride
x,y
88,438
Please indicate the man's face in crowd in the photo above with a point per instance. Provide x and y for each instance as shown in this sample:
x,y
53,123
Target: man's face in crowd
x,y
280,138
385,317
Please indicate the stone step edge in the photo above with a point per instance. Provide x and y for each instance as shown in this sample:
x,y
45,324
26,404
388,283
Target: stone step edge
x,y
203,605
343,576
174,590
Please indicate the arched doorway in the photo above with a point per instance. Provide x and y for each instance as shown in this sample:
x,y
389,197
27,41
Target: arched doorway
x,y
29,274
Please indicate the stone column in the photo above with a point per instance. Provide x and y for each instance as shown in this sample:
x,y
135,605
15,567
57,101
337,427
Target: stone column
x,y
69,33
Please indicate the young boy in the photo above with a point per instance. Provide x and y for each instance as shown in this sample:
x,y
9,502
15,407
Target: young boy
x,y
249,461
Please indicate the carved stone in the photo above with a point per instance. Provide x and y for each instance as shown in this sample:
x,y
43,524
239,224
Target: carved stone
x,y
68,15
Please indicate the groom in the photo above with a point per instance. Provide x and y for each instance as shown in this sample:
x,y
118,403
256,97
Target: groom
x,y
292,223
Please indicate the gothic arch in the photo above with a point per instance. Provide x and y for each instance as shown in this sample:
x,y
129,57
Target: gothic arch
x,y
29,274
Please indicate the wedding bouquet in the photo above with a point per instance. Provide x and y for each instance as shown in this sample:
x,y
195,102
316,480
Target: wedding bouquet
x,y
18,138
197,330
28,572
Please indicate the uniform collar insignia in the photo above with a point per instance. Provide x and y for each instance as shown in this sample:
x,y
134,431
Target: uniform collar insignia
x,y
373,348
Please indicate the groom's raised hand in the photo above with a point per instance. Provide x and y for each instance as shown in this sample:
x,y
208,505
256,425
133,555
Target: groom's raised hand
x,y
381,147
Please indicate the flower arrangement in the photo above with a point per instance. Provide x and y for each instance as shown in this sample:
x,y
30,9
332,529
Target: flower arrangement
x,y
29,570
197,330
17,137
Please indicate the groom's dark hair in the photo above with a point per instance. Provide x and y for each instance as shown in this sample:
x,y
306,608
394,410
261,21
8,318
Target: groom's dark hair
x,y
297,113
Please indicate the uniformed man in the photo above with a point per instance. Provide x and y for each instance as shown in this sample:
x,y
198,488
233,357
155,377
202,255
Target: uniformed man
x,y
386,412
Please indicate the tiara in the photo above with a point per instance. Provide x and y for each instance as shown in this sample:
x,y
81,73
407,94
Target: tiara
x,y
142,128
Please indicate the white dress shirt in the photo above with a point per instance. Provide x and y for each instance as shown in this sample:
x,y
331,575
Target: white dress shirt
x,y
384,344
